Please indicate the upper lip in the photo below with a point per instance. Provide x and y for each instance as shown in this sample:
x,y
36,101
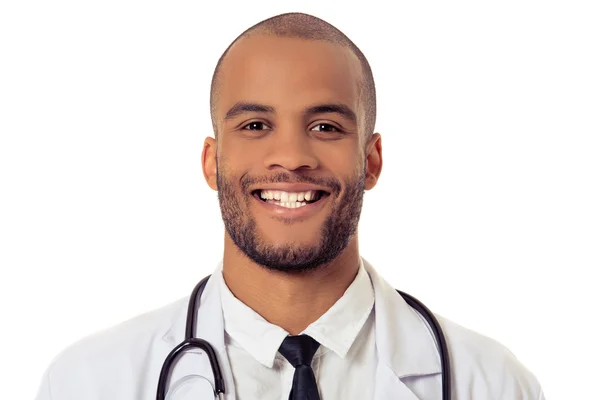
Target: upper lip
x,y
290,187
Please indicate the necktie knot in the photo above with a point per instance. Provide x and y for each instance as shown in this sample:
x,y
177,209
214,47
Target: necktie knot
x,y
299,350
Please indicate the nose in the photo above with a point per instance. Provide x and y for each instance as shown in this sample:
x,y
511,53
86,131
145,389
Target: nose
x,y
291,149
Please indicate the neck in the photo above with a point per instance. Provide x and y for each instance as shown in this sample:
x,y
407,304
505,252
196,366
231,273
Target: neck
x,y
291,301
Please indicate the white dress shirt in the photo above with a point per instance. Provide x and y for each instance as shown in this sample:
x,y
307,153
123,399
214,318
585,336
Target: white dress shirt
x,y
344,365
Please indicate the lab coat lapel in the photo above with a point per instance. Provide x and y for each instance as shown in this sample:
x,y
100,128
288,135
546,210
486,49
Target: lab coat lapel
x,y
388,386
405,345
209,327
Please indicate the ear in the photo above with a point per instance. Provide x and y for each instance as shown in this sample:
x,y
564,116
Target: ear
x,y
374,161
209,162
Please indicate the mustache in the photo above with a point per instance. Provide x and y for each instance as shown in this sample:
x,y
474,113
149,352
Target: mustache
x,y
282,177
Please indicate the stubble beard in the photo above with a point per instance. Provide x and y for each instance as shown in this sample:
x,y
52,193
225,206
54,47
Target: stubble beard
x,y
335,234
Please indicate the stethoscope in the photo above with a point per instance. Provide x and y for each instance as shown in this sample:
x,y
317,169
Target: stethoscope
x,y
191,342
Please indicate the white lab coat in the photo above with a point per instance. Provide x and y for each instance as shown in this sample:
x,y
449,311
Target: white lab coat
x,y
123,363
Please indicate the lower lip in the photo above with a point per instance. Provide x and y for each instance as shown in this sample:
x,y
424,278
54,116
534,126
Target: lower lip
x,y
300,212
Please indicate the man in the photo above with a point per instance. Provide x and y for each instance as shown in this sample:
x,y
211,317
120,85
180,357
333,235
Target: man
x,y
293,311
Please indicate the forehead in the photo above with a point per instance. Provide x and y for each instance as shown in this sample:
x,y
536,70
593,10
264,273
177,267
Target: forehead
x,y
288,74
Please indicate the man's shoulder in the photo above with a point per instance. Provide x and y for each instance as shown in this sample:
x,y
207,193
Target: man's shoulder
x,y
479,361
139,330
106,354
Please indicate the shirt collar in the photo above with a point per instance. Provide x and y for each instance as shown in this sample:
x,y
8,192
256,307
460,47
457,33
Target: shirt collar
x,y
335,330
340,325
249,329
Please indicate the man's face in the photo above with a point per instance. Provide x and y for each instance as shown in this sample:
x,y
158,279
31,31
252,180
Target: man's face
x,y
290,158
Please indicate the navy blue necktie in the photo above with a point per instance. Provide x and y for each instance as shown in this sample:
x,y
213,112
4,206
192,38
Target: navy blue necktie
x,y
299,351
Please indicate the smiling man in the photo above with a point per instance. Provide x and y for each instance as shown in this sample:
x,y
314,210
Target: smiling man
x,y
293,311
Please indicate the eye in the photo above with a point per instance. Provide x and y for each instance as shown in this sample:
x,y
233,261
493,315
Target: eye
x,y
325,128
255,126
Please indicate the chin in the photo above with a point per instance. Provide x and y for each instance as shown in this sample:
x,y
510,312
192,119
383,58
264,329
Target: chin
x,y
297,247
285,241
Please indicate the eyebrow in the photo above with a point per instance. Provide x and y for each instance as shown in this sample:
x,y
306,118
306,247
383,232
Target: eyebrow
x,y
335,108
242,107
341,109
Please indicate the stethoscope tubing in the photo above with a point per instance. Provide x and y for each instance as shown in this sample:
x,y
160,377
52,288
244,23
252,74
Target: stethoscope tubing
x,y
438,333
191,342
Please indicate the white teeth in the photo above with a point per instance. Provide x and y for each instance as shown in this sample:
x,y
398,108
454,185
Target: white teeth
x,y
291,197
288,204
288,199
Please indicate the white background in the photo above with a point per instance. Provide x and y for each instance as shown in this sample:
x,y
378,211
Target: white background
x,y
487,209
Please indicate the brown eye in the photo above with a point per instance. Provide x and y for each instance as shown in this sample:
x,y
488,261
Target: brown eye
x,y
255,126
325,128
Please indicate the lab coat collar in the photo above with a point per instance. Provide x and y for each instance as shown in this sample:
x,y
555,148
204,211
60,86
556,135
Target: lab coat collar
x,y
405,343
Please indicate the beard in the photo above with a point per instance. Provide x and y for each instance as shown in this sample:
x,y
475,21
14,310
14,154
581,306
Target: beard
x,y
335,234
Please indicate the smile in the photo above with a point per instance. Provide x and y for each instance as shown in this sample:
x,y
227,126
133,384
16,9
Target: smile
x,y
291,204
289,199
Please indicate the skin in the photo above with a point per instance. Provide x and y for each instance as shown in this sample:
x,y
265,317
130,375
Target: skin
x,y
286,144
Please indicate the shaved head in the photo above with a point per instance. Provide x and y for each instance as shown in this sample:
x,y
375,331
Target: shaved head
x,y
308,27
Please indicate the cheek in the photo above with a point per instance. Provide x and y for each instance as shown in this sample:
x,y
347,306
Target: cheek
x,y
241,155
234,156
346,161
